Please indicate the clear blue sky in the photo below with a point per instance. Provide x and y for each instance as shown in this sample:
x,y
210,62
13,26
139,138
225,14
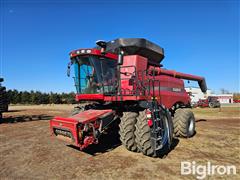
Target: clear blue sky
x,y
199,37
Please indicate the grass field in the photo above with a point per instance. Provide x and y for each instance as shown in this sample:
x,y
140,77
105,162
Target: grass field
x,y
224,112
27,151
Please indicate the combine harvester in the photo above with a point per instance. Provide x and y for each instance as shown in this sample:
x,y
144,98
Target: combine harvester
x,y
124,80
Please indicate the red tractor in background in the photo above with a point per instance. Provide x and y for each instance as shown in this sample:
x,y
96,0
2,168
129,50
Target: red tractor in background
x,y
211,102
123,81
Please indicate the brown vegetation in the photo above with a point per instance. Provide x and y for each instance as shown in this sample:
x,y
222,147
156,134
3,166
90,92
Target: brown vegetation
x,y
28,152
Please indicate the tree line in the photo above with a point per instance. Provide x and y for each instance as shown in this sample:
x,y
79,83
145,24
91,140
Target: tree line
x,y
236,96
37,97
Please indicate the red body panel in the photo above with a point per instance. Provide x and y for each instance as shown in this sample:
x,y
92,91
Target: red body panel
x,y
171,91
167,89
131,64
86,97
168,99
89,115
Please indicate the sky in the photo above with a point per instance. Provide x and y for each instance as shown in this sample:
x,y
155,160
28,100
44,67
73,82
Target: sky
x,y
200,37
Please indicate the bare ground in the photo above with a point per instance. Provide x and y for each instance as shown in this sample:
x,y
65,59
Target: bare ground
x,y
28,152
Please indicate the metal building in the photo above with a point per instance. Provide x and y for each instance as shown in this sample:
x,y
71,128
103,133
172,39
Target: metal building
x,y
196,94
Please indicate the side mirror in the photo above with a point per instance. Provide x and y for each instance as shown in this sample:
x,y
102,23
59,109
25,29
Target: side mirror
x,y
102,44
120,58
69,69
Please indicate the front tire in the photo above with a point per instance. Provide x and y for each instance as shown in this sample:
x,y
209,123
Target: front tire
x,y
184,123
127,129
143,136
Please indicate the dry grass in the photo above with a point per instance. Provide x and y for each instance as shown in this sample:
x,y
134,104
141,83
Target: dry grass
x,y
28,152
213,113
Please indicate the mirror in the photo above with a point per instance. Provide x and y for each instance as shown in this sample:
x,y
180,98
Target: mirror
x,y
120,58
68,69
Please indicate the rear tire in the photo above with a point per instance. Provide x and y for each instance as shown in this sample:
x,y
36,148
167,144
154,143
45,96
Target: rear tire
x,y
184,123
211,105
127,129
143,136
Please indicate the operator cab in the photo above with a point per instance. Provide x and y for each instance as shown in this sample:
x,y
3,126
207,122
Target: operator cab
x,y
100,72
94,72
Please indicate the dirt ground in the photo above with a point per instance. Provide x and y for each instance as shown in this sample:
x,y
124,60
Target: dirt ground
x,y
28,152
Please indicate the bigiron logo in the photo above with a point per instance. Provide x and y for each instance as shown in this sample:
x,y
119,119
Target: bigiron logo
x,y
201,171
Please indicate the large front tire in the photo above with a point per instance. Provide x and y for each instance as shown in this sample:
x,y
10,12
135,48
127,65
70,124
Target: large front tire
x,y
184,123
127,129
143,136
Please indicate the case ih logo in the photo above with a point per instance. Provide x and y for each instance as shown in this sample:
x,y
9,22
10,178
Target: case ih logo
x,y
176,89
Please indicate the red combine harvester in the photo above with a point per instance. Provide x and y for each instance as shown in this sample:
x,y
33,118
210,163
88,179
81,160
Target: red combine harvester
x,y
123,80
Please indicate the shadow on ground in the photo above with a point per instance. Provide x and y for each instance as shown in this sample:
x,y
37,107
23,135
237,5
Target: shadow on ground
x,y
14,111
25,118
110,141
200,120
165,151
107,142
